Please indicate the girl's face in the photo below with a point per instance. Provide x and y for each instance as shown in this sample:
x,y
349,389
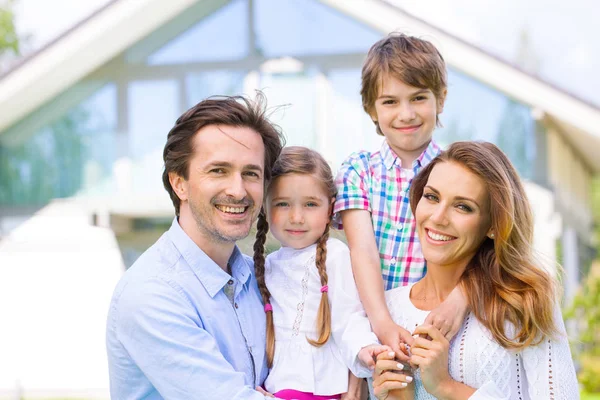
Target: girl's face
x,y
453,216
298,210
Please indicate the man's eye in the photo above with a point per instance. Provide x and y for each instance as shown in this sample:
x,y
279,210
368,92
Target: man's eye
x,y
252,174
386,102
217,171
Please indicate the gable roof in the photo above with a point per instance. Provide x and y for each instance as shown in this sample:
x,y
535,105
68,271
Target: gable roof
x,y
121,23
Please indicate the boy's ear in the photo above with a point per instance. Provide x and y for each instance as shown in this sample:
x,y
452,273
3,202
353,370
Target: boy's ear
x,y
179,185
441,101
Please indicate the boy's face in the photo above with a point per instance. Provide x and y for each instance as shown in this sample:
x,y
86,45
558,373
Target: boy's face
x,y
406,116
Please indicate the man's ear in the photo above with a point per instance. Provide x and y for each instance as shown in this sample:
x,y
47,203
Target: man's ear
x,y
179,185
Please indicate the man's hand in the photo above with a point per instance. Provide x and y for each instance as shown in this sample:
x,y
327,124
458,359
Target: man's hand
x,y
368,354
391,379
393,335
448,316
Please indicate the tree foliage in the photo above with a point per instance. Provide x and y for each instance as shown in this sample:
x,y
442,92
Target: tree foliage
x,y
9,41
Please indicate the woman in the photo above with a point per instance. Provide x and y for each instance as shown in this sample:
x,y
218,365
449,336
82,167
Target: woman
x,y
476,230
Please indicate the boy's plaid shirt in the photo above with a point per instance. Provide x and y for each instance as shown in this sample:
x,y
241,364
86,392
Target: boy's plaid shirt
x,y
376,182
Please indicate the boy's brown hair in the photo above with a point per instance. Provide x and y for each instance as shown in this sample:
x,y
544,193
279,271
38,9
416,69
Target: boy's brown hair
x,y
414,61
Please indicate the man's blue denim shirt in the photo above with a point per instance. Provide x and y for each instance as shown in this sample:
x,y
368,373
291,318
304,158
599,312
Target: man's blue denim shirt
x,y
173,333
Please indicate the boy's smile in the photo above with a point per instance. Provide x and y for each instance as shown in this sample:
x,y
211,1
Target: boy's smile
x,y
406,115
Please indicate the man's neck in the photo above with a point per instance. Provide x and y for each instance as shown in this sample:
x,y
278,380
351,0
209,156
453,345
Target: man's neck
x,y
218,251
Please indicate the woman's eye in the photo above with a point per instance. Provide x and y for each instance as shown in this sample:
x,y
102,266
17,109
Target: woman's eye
x,y
464,207
430,196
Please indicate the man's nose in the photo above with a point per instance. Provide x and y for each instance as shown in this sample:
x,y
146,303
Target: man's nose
x,y
236,187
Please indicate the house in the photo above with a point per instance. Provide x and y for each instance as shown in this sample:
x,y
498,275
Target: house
x,y
85,118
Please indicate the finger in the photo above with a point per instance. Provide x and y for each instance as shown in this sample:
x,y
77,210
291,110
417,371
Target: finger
x,y
417,360
376,350
382,390
406,337
421,343
392,376
388,365
430,330
386,355
421,352
263,392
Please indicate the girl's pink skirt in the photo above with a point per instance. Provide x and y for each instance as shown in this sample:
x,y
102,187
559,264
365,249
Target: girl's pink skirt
x,y
289,394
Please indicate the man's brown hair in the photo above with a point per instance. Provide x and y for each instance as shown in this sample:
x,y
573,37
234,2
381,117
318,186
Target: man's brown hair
x,y
414,61
235,111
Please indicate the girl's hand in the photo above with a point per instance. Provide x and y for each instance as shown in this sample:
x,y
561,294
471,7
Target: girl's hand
x,y
368,354
430,354
449,315
391,379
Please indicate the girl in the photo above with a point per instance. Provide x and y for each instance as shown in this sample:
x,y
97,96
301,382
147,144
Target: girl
x,y
316,326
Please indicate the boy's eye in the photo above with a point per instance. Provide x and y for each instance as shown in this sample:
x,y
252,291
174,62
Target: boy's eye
x,y
389,101
420,97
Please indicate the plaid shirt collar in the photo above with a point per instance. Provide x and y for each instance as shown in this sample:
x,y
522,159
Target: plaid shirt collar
x,y
390,158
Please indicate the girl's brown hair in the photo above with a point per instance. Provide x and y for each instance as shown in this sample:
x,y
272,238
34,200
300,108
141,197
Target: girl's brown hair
x,y
503,282
297,160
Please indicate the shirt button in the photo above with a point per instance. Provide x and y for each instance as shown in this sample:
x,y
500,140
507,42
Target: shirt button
x,y
393,260
230,282
236,305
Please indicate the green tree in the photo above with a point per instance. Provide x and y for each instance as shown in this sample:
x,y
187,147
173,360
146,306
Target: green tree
x,y
586,313
9,41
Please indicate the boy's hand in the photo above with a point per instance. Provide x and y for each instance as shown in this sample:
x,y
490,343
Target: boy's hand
x,y
368,354
448,316
393,335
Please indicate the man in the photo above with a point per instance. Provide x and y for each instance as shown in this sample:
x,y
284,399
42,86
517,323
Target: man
x,y
186,321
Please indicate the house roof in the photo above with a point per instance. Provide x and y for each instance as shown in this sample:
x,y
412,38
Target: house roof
x,y
121,23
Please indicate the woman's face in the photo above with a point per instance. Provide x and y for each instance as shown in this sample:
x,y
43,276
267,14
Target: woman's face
x,y
453,216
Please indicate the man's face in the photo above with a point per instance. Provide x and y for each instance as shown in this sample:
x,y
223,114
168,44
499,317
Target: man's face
x,y
224,189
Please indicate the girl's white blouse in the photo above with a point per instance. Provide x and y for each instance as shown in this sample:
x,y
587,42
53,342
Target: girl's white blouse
x,y
539,372
295,286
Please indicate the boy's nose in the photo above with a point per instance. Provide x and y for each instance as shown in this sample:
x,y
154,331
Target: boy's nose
x,y
406,112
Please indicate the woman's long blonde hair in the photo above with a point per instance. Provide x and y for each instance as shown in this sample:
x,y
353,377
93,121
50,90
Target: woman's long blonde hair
x,y
296,160
503,282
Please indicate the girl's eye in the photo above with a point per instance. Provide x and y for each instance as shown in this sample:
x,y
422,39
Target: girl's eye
x,y
312,204
430,196
281,204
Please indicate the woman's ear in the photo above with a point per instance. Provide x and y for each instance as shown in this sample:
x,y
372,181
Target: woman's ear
x,y
491,235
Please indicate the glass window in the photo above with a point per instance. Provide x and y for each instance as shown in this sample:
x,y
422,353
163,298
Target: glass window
x,y
221,36
68,155
474,111
299,27
210,83
292,98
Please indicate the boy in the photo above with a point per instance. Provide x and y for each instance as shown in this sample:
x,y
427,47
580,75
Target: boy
x,y
403,90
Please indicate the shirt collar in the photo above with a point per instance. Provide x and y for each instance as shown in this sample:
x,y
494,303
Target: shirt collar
x,y
212,277
390,158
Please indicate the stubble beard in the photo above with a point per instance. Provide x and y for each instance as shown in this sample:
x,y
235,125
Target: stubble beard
x,y
205,224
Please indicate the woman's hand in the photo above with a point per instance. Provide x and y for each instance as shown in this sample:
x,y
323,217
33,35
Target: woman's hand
x,y
368,354
390,379
429,352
